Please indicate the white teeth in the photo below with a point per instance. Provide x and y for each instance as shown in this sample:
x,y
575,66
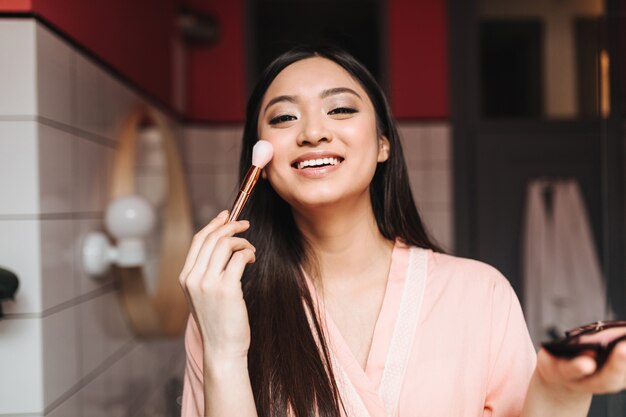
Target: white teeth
x,y
318,162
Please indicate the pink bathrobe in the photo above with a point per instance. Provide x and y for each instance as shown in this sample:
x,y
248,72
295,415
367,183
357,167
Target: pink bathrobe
x,y
450,340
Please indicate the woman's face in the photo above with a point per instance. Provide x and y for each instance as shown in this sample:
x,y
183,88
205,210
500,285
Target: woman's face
x,y
322,125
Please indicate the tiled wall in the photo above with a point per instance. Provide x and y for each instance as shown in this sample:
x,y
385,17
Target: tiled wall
x,y
212,160
65,347
428,151
213,157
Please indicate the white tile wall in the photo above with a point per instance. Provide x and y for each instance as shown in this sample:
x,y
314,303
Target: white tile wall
x,y
95,397
92,171
439,142
103,330
101,102
17,72
18,159
69,408
121,395
213,146
415,143
212,156
143,375
116,327
149,390
427,148
54,77
212,193
92,333
90,83
20,248
419,185
57,262
65,347
21,386
56,183
441,185
60,353
155,405
439,223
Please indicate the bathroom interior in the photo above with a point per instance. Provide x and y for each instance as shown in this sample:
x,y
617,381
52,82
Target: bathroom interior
x,y
499,103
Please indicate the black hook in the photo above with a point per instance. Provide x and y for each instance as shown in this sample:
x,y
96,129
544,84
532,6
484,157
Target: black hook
x,y
8,286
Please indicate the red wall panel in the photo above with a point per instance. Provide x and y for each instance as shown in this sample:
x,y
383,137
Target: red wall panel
x,y
418,65
16,5
216,79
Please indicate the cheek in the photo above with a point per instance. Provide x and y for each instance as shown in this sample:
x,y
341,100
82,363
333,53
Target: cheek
x,y
279,138
279,142
278,168
361,134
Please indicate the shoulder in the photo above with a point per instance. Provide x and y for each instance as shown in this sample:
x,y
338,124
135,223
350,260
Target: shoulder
x,y
470,295
466,278
444,266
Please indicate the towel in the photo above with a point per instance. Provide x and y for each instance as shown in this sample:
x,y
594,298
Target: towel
x,y
563,284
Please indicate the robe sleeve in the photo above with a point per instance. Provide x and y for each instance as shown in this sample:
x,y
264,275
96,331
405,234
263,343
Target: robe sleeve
x,y
193,387
512,355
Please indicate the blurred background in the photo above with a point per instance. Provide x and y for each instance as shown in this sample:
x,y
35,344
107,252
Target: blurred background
x,y
512,114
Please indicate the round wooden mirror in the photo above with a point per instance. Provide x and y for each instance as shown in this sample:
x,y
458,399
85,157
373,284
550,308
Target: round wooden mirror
x,y
147,163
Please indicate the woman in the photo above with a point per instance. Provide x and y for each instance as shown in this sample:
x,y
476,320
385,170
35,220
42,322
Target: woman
x,y
335,301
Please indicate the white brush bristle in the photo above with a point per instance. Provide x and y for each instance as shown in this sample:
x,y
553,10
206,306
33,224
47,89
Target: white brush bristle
x,y
262,153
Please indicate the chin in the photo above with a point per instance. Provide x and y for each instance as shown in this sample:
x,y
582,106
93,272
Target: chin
x,y
315,201
322,194
322,200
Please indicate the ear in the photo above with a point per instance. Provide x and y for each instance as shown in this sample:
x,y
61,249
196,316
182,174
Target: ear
x,y
383,149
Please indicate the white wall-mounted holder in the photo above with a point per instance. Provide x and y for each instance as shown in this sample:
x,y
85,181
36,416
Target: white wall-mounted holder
x,y
128,219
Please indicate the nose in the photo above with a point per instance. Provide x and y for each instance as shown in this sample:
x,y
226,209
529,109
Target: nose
x,y
314,130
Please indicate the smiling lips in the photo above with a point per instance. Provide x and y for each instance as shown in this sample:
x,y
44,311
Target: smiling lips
x,y
316,164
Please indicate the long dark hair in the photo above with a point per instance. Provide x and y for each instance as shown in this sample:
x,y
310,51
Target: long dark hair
x,y
288,360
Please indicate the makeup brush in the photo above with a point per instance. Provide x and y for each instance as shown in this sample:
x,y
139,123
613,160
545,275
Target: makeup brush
x,y
262,153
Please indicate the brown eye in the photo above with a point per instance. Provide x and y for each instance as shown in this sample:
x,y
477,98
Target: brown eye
x,y
343,110
282,118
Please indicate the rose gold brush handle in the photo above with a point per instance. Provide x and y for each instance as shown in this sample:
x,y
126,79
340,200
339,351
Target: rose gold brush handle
x,y
246,188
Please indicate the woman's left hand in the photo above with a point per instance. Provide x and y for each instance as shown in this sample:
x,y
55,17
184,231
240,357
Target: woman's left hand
x,y
564,387
579,376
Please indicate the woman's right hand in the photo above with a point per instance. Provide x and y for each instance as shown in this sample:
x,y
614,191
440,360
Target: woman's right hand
x,y
211,280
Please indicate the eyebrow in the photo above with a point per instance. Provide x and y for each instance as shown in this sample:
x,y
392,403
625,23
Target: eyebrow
x,y
338,90
278,99
323,94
